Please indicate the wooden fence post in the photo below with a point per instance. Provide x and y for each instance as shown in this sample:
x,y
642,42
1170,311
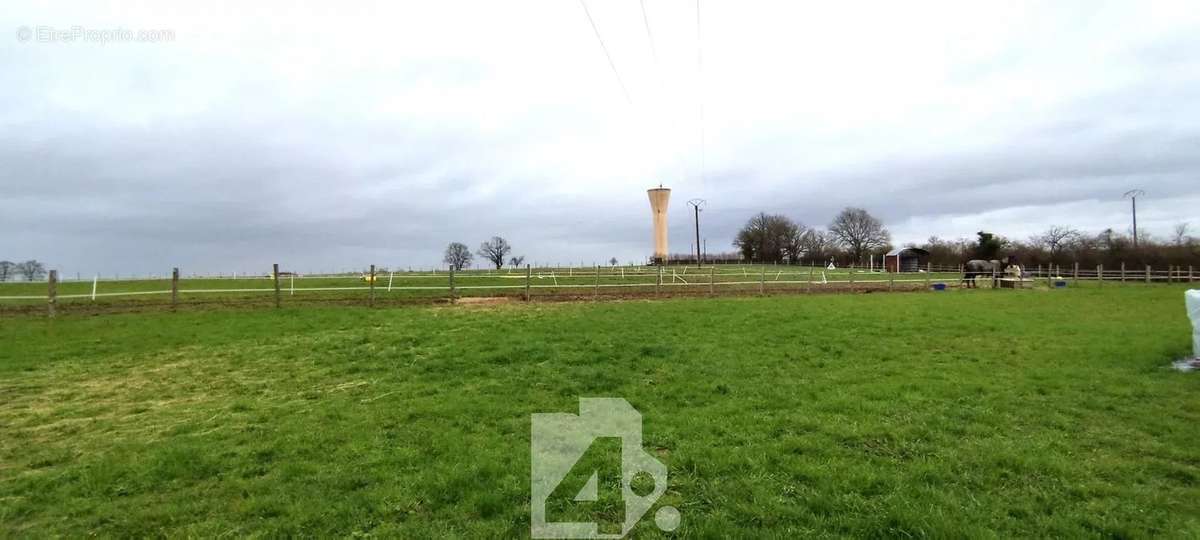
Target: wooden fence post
x,y
712,276
1122,271
1075,278
892,279
452,293
528,277
174,288
658,282
596,292
1147,274
275,277
1189,273
1100,275
371,288
811,268
52,293
762,281
928,270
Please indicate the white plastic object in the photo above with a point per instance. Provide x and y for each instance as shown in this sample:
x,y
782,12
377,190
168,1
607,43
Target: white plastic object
x,y
1192,298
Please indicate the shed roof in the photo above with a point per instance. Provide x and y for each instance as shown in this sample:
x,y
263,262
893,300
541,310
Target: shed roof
x,y
908,251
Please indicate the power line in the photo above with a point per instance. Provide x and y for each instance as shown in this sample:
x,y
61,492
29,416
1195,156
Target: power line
x,y
606,54
700,86
650,36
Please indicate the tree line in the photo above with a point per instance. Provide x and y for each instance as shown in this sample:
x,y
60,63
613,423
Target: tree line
x,y
1065,246
495,251
854,236
30,270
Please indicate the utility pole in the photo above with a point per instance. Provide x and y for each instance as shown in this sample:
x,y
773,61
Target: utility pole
x,y
696,204
1132,195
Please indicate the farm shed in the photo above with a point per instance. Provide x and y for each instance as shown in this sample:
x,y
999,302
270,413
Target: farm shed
x,y
905,260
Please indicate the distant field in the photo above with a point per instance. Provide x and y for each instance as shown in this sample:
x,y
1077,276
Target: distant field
x,y
403,287
981,413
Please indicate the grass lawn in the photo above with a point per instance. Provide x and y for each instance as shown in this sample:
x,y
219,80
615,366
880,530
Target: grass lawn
x,y
964,413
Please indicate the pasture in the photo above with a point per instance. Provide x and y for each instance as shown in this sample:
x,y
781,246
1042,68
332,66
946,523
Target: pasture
x,y
957,414
106,294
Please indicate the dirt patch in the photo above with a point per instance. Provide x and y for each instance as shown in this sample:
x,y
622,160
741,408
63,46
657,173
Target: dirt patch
x,y
483,300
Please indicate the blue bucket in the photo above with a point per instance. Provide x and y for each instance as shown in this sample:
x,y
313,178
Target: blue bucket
x,y
1060,284
939,286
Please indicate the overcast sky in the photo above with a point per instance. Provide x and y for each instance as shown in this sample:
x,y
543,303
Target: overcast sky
x,y
342,134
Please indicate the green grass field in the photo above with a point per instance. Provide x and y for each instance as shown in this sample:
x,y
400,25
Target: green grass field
x,y
958,414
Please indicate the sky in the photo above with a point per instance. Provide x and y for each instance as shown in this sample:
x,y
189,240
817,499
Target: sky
x,y
330,136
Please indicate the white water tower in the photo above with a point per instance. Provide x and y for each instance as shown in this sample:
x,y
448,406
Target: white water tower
x,y
659,197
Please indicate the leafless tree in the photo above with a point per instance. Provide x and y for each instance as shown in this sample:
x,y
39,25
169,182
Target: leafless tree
x,y
6,269
1180,234
1056,239
495,250
859,232
31,269
458,256
516,261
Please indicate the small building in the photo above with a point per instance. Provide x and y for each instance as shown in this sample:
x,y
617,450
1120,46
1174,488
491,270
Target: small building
x,y
905,260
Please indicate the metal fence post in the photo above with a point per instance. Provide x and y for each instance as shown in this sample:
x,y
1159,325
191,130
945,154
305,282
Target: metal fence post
x,y
174,288
371,288
52,293
275,277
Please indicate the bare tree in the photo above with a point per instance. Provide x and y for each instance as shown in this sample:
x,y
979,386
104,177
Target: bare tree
x,y
31,269
495,250
517,260
859,231
6,269
1180,234
1056,239
458,256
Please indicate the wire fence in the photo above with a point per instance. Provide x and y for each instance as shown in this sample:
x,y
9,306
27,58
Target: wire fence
x,y
373,287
